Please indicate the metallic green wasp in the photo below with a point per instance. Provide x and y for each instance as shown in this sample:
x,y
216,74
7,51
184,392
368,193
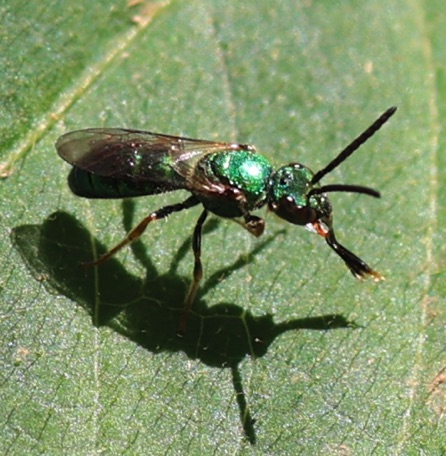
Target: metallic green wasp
x,y
228,180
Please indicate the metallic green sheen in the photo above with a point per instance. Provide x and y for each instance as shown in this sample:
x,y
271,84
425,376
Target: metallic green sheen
x,y
245,170
293,181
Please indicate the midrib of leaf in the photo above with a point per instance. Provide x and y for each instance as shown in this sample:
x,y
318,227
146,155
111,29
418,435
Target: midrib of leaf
x,y
225,76
86,79
117,45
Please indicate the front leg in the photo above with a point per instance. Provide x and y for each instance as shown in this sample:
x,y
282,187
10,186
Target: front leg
x,y
255,225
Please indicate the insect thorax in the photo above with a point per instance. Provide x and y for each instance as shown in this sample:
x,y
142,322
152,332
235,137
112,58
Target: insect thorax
x,y
241,180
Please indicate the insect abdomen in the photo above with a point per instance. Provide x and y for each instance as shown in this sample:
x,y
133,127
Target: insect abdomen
x,y
88,185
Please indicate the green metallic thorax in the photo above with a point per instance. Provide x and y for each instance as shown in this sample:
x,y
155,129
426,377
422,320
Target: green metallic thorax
x,y
242,179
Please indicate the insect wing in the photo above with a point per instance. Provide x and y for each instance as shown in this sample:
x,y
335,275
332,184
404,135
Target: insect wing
x,y
114,152
138,156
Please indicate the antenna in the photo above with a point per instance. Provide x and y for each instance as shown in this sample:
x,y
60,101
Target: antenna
x,y
354,145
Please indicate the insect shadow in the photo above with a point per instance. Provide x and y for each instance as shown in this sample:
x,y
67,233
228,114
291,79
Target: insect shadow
x,y
147,310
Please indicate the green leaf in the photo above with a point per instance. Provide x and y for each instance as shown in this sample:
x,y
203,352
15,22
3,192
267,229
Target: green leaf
x,y
285,351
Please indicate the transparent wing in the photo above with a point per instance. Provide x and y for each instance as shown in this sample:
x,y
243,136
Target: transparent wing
x,y
141,156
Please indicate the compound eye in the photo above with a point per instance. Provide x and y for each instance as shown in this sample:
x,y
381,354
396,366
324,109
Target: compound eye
x,y
287,209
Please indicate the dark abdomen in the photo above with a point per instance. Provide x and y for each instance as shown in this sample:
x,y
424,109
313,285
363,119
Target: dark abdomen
x,y
88,185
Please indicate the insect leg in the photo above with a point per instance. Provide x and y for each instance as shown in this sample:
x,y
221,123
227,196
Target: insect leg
x,y
198,272
141,227
252,224
358,268
255,225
